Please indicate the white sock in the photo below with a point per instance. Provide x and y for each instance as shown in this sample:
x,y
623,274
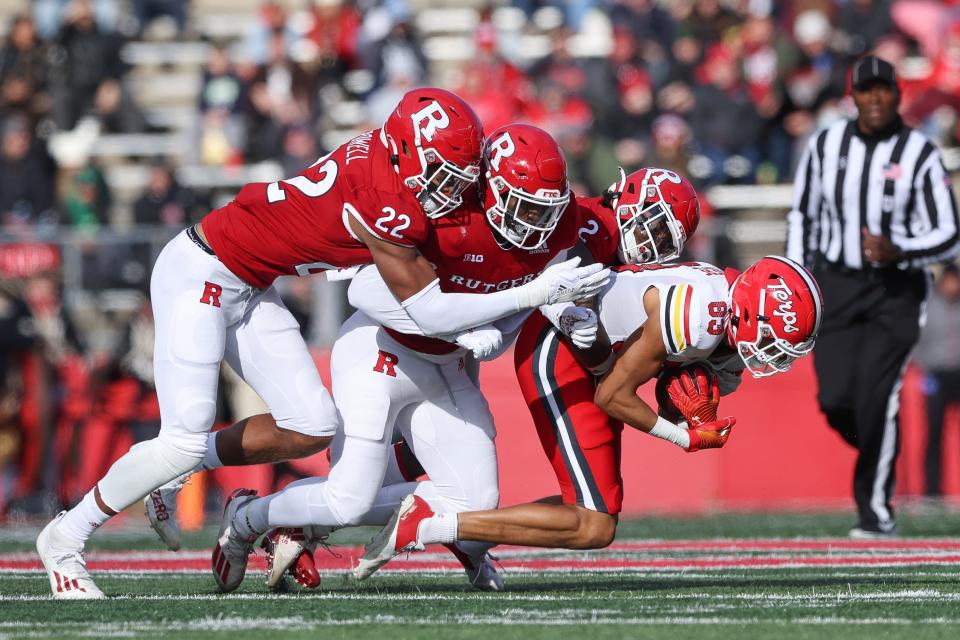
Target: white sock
x,y
439,528
210,459
80,522
254,527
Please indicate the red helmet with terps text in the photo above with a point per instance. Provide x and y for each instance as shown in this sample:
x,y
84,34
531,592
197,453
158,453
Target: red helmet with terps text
x,y
775,313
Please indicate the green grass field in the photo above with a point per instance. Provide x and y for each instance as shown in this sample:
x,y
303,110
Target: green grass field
x,y
730,575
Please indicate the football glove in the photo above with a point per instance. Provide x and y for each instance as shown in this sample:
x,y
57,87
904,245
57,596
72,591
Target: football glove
x,y
710,435
695,392
484,341
563,282
580,325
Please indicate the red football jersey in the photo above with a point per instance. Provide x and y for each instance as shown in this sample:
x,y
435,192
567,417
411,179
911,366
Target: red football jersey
x,y
599,230
468,259
298,226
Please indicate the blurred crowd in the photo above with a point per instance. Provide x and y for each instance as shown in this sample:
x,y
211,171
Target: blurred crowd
x,y
725,92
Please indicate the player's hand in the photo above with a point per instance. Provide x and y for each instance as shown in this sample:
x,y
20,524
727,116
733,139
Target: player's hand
x,y
710,435
563,282
696,393
484,341
580,325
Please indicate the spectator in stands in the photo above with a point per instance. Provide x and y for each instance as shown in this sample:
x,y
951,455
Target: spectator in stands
x,y
223,105
725,123
496,89
84,59
334,32
271,18
51,14
23,73
164,202
399,51
820,76
146,11
671,136
16,337
27,176
709,21
86,199
299,149
282,92
560,67
649,24
938,354
861,23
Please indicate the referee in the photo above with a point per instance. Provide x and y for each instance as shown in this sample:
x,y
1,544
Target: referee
x,y
872,208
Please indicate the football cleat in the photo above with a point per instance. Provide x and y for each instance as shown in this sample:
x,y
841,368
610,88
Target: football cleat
x,y
230,555
290,550
65,566
481,573
859,533
161,508
397,536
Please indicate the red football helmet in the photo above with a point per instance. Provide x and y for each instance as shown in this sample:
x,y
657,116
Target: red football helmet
x,y
657,210
435,140
775,312
526,184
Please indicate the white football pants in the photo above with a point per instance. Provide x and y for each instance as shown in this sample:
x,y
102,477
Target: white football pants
x,y
379,384
204,314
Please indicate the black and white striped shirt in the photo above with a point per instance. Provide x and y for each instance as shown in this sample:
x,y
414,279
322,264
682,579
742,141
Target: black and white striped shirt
x,y
894,186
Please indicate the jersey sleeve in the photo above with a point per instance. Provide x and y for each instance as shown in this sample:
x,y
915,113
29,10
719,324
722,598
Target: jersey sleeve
x,y
598,230
391,219
682,315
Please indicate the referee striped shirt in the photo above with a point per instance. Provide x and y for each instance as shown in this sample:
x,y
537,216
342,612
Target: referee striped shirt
x,y
894,185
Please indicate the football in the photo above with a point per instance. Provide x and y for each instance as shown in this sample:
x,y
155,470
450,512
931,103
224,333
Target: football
x,y
666,406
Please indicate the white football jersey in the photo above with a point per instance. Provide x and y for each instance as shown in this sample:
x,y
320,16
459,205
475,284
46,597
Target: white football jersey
x,y
693,306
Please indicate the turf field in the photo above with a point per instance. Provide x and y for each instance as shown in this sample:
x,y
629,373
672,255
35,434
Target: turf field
x,y
742,576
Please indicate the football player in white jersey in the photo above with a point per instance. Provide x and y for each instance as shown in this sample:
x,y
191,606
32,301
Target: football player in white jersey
x,y
662,315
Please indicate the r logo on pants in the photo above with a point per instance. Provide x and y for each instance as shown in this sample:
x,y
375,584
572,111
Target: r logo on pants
x,y
211,294
385,363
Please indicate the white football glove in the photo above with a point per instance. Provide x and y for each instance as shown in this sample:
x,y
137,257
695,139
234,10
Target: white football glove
x,y
580,325
483,341
563,282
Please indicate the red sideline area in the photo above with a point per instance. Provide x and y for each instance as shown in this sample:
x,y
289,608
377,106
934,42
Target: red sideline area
x,y
781,455
697,554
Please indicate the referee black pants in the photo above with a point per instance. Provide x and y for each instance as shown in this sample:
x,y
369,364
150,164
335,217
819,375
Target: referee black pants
x,y
871,323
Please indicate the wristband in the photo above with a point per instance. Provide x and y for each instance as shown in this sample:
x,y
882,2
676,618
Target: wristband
x,y
666,430
603,367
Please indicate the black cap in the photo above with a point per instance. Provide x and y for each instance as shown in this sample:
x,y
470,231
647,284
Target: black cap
x,y
873,69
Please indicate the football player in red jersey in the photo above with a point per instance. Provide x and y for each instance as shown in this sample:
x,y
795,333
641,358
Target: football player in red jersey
x,y
213,299
762,320
387,374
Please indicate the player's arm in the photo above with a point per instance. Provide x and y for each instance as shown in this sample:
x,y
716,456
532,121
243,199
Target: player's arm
x,y
413,282
639,361
580,327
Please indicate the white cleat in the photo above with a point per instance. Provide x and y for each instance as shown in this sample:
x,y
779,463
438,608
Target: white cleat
x,y
291,549
230,555
397,536
858,533
481,573
161,507
65,566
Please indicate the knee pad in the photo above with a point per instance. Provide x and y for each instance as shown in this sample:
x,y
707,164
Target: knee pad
x,y
145,467
190,426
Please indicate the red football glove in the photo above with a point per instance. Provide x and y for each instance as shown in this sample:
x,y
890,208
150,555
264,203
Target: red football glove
x,y
711,435
696,393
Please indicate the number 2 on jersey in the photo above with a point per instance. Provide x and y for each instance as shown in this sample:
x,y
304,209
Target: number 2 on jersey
x,y
327,171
